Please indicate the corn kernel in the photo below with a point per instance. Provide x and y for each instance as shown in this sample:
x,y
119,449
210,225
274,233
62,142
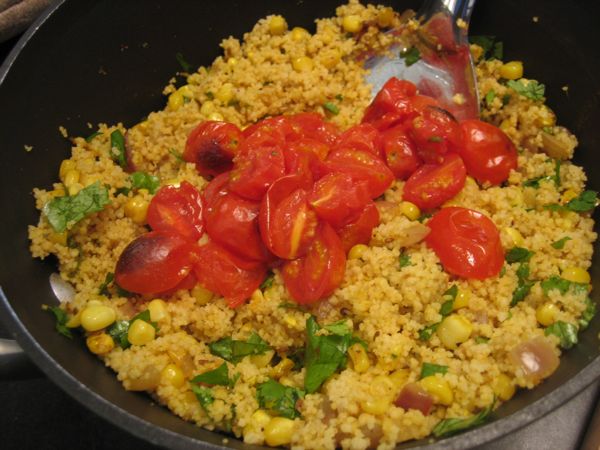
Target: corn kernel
x,y
186,92
71,178
299,33
263,360
100,344
385,17
351,23
96,317
302,64
58,238
546,314
287,381
568,195
175,182
399,377
454,330
202,295
376,406
357,251
383,386
225,93
505,125
279,431
136,208
172,375
576,275
503,387
74,189
410,210
74,321
515,236
290,320
87,179
360,359
257,296
512,70
215,116
277,25
175,101
549,120
439,389
65,166
158,310
231,62
282,368
260,418
140,332
331,58
462,299
207,108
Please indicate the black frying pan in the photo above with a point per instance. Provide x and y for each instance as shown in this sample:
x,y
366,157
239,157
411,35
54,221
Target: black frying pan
x,y
107,61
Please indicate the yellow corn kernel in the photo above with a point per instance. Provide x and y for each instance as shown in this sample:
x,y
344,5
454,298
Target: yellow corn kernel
x,y
216,116
71,178
175,182
399,377
376,406
263,360
568,195
260,418
512,70
357,251
282,368
202,295
58,238
277,25
207,108
58,192
186,92
65,166
549,120
299,33
470,182
100,344
158,310
439,389
140,332
360,359
331,58
287,381
290,320
175,101
385,17
454,330
74,321
505,125
410,210
74,189
302,64
279,431
172,375
225,93
503,387
96,317
231,62
462,299
546,314
576,275
136,208
351,24
515,236
89,178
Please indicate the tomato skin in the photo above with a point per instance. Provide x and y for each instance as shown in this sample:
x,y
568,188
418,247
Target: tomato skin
x,y
466,242
435,132
400,152
224,273
433,184
320,271
217,187
178,209
488,153
154,262
212,146
313,125
359,231
287,224
306,157
279,126
364,137
391,105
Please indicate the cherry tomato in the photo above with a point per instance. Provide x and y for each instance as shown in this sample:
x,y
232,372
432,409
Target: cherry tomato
x,y
224,273
488,153
363,137
177,209
154,262
186,284
435,132
420,102
466,242
278,125
433,184
212,146
362,167
305,157
359,231
391,105
217,187
320,271
400,152
338,199
314,126
287,223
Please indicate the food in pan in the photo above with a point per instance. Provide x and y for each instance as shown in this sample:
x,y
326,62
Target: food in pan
x,y
278,256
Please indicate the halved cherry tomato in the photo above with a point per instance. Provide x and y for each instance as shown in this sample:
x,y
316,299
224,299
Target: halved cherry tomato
x,y
224,273
466,242
400,152
278,125
433,184
217,187
435,132
488,153
212,146
363,137
305,157
313,125
154,262
338,199
359,231
177,209
320,271
186,284
391,105
287,223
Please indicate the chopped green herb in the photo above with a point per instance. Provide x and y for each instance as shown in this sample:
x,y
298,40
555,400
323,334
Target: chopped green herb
x,y
289,305
559,245
268,282
117,148
91,137
492,49
122,191
524,285
177,155
534,182
561,284
210,95
481,340
435,139
588,314
339,97
339,328
410,56
118,331
448,427
556,176
424,217
549,130
186,66
332,108
64,212
502,271
449,296
61,319
505,99
204,396
216,377
566,333
108,280
532,90
518,254
405,260
584,202
234,351
489,97
426,333
143,180
429,369
278,398
145,316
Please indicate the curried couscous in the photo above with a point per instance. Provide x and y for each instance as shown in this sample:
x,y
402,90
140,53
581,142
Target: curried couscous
x,y
329,336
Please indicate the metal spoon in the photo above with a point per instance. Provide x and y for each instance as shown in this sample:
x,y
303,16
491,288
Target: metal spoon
x,y
445,68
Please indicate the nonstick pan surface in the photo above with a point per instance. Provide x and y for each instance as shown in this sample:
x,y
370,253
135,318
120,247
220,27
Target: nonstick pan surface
x,y
107,61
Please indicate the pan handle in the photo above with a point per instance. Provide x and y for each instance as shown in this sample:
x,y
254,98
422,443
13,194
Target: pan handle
x,y
14,363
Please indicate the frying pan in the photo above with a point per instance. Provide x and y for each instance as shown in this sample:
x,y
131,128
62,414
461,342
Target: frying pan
x,y
107,61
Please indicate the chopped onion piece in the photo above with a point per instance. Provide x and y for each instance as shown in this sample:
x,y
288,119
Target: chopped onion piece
x,y
414,396
537,359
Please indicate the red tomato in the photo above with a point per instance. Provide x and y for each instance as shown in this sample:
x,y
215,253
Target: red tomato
x,y
287,224
435,132
305,157
224,273
359,231
212,146
279,125
338,199
177,209
186,284
362,167
363,137
420,102
488,153
400,152
433,184
391,105
154,262
313,125
466,242
217,187
257,165
320,271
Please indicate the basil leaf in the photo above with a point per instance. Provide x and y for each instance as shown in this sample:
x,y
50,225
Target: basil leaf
x,y
186,66
518,254
268,282
91,137
178,156
555,282
566,333
481,340
584,202
278,398
117,148
559,245
410,56
426,333
234,351
216,377
405,260
61,319
532,90
64,212
143,180
118,331
339,328
108,280
332,108
448,427
556,176
492,49
204,396
588,314
524,285
447,306
429,369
